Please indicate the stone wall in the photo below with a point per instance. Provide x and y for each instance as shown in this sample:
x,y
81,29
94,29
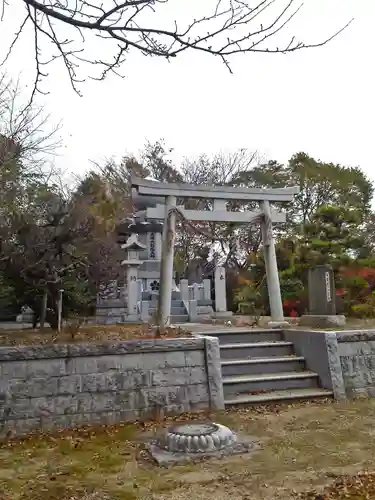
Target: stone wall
x,y
48,387
344,360
111,311
313,346
357,358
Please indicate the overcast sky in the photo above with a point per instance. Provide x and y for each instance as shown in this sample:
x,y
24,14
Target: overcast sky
x,y
320,101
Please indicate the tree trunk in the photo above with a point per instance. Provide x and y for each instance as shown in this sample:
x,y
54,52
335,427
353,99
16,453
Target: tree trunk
x,y
59,311
51,317
35,320
43,310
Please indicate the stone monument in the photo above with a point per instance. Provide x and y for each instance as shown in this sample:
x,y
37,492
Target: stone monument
x,y
322,299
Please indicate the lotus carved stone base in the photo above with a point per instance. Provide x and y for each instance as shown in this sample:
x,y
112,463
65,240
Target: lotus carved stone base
x,y
190,442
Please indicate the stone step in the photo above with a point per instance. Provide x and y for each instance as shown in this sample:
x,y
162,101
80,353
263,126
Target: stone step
x,y
269,382
262,365
111,311
277,396
175,311
204,309
154,296
256,350
181,318
174,303
245,335
204,302
177,303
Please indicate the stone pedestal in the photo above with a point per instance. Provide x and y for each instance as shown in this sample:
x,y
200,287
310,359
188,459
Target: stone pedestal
x,y
191,442
323,321
133,297
278,324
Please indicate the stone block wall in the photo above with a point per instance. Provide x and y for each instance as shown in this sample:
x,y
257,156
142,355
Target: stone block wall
x,y
111,312
312,345
344,360
357,358
49,387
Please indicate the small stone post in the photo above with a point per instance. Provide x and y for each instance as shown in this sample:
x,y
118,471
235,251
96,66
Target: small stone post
x,y
59,310
273,283
158,246
145,316
193,311
195,292
220,290
207,289
184,289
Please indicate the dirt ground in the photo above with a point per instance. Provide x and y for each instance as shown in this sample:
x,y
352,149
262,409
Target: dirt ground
x,y
73,332
351,323
112,333
302,447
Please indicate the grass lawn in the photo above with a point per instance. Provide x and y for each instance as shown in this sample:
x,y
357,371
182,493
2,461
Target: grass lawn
x,y
303,447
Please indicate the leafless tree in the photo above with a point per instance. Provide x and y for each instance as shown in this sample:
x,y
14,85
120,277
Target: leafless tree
x,y
26,130
222,169
232,242
225,28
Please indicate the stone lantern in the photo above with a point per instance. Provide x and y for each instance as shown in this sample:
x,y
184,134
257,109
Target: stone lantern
x,y
149,235
132,262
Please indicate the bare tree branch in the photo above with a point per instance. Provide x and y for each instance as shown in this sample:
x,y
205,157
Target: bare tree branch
x,y
229,28
27,126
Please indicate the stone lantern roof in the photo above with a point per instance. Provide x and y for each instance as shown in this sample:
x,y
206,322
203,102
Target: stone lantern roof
x,y
127,228
133,244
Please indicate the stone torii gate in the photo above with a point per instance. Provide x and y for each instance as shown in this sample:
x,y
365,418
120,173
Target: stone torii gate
x,y
149,196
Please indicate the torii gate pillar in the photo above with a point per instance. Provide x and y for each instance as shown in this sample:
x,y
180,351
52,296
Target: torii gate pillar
x,y
166,268
272,273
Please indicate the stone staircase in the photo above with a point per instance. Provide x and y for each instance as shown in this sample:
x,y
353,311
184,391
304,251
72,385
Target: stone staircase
x,y
178,311
259,366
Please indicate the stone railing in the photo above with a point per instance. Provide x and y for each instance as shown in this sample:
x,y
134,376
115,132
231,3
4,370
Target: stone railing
x,y
196,291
